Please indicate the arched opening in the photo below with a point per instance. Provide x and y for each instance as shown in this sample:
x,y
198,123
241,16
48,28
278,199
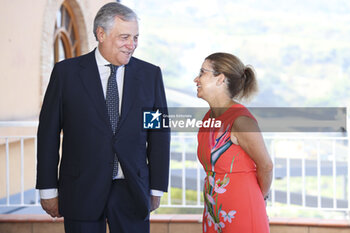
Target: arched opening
x,y
66,36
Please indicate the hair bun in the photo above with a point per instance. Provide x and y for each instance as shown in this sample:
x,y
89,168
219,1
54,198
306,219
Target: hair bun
x,y
241,79
245,72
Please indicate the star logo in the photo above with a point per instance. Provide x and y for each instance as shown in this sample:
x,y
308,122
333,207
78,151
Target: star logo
x,y
152,119
156,115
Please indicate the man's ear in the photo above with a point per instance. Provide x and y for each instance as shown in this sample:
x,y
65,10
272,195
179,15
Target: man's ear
x,y
101,34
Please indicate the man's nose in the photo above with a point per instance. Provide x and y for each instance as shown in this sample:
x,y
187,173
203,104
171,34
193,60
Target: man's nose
x,y
131,44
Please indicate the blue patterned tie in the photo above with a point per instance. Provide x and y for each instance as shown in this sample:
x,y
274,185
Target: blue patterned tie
x,y
112,101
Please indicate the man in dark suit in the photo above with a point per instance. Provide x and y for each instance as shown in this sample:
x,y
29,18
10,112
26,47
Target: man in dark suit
x,y
110,169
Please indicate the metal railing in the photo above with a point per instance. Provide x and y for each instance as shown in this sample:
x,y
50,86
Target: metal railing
x,y
21,202
310,162
307,172
9,145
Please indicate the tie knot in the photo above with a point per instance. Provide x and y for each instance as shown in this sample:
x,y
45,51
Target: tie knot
x,y
113,68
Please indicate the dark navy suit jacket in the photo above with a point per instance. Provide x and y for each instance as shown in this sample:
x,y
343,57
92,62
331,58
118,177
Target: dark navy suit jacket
x,y
74,104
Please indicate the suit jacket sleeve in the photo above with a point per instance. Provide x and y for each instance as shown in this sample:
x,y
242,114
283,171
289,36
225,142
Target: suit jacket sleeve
x,y
48,135
158,148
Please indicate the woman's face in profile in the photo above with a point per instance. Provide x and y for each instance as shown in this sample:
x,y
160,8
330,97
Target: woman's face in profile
x,y
205,80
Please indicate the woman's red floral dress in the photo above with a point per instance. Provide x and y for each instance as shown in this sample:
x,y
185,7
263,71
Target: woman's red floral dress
x,y
233,199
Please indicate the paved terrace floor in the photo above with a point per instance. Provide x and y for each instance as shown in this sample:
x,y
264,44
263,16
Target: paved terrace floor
x,y
172,224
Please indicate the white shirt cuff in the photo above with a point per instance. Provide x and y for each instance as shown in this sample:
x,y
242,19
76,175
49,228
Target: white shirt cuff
x,y
157,193
48,193
52,193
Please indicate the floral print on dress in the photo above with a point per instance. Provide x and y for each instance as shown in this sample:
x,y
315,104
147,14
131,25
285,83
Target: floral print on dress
x,y
232,196
228,216
213,187
220,144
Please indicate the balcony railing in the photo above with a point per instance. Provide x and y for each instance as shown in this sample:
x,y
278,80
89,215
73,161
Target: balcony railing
x,y
310,172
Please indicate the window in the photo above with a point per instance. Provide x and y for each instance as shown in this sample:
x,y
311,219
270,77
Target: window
x,y
66,42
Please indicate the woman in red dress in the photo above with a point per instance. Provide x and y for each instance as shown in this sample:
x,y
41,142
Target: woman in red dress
x,y
234,156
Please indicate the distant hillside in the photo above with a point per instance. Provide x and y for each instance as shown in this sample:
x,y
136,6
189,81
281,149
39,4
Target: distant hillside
x,y
300,49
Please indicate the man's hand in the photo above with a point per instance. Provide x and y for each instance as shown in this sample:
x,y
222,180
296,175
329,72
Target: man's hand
x,y
155,202
51,206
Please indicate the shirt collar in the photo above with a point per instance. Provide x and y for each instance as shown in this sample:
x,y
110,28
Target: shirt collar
x,y
100,60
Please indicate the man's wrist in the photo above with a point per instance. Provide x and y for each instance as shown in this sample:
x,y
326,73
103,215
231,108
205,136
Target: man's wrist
x,y
48,193
157,193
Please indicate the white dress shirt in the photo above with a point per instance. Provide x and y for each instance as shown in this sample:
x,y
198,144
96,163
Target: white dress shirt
x,y
104,72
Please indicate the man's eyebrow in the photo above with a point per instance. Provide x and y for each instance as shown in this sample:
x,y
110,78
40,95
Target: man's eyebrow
x,y
127,34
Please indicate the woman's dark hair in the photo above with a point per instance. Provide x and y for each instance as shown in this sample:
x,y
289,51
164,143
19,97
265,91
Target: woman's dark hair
x,y
241,79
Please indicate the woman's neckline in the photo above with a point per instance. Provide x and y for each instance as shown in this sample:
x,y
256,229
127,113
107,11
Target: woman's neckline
x,y
225,112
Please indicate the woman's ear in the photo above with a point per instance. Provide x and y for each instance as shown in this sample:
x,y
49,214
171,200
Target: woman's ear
x,y
220,79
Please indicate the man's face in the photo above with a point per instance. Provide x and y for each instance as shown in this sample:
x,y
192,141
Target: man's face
x,y
118,45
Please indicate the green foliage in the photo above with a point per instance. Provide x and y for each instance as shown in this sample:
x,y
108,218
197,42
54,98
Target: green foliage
x,y
176,199
300,49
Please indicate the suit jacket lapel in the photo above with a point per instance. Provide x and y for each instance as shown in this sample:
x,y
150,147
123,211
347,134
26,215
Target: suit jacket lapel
x,y
90,77
130,89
